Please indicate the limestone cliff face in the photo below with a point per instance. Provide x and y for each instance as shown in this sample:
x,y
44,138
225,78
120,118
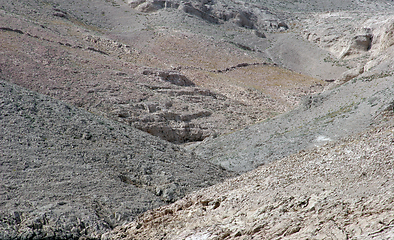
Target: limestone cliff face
x,y
362,38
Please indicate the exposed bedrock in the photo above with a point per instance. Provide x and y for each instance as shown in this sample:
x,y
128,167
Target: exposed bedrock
x,y
248,16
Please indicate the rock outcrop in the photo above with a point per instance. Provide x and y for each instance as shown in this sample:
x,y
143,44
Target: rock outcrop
x,y
359,38
170,76
250,16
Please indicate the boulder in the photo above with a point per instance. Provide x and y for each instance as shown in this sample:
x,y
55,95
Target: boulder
x,y
358,44
173,77
242,20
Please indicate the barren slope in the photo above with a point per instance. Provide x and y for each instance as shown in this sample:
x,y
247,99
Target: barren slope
x,y
328,116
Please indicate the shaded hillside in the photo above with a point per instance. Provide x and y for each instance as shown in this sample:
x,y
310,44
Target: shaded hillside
x,y
67,173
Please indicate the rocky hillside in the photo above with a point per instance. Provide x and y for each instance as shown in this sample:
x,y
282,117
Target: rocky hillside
x,y
297,96
67,173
